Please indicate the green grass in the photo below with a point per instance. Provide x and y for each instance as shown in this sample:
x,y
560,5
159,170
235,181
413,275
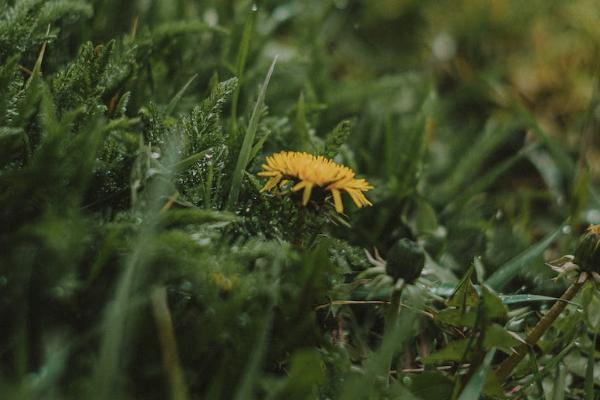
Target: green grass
x,y
139,258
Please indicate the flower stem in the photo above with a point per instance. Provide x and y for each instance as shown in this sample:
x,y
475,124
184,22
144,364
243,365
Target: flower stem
x,y
511,362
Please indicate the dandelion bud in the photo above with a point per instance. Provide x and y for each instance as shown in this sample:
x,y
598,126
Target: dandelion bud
x,y
405,260
587,254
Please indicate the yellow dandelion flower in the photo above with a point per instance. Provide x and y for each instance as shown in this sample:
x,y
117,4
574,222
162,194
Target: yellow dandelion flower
x,y
308,171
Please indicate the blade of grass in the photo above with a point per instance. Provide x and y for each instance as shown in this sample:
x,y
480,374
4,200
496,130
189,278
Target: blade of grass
x,y
510,269
189,161
244,156
240,66
178,95
37,68
166,334
475,385
529,298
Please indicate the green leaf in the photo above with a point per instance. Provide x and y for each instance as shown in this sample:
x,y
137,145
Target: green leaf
x,y
465,293
457,317
454,351
497,336
493,307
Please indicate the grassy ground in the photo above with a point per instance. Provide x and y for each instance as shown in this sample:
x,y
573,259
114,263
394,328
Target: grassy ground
x,y
140,259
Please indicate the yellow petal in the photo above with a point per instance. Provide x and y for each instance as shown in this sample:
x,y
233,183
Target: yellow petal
x,y
337,201
299,186
271,183
268,173
306,194
355,197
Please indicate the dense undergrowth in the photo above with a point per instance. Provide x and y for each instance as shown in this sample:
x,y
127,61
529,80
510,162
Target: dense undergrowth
x,y
139,258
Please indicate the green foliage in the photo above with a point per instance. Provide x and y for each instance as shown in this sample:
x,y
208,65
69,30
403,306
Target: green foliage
x,y
140,259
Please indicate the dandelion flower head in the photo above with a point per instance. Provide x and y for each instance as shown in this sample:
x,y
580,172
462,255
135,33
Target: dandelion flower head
x,y
307,171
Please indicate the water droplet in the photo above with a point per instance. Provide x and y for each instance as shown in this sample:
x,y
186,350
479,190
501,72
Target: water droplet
x,y
566,230
254,7
499,214
155,155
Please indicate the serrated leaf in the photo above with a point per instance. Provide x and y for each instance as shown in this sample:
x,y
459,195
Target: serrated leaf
x,y
497,336
493,307
454,351
465,294
457,317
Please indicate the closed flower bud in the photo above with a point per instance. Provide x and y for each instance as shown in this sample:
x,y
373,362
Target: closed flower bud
x,y
587,254
405,260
